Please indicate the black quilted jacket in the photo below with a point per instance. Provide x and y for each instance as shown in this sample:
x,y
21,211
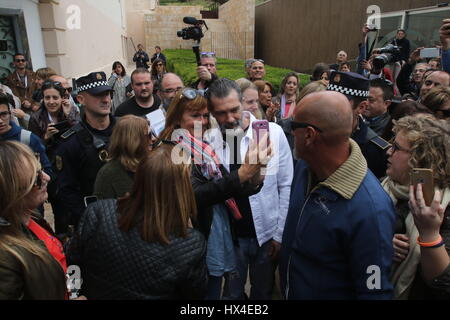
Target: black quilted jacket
x,y
118,265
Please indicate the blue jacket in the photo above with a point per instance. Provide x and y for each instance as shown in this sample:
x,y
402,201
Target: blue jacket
x,y
337,241
446,60
35,145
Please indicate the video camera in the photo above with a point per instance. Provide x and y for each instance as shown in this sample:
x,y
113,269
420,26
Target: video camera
x,y
389,54
193,33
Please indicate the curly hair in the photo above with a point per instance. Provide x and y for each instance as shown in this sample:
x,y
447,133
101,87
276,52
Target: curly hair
x,y
429,139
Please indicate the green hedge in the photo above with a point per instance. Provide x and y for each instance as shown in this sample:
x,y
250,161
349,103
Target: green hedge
x,y
182,62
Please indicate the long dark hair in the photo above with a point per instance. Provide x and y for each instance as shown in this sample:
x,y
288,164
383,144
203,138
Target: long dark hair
x,y
123,68
154,70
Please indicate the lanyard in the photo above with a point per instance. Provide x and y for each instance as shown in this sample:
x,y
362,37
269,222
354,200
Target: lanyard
x,y
25,79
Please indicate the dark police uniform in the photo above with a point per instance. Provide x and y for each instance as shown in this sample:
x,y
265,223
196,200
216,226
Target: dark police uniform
x,y
79,158
373,147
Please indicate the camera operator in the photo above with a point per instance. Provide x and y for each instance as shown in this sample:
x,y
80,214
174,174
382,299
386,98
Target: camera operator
x,y
367,67
405,48
206,71
141,58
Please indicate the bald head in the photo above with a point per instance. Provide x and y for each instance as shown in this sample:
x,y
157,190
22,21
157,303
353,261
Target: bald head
x,y
328,110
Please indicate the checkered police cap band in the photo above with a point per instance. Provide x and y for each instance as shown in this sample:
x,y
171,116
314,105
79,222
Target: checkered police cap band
x,y
348,91
92,85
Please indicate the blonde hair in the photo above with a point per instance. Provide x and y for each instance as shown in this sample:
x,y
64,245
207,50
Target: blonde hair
x,y
429,139
315,86
436,98
129,141
162,200
18,167
45,73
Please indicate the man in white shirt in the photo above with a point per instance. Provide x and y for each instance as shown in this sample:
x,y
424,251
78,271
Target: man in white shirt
x,y
260,230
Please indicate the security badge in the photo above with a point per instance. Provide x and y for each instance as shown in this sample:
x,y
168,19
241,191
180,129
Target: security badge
x,y
59,163
99,76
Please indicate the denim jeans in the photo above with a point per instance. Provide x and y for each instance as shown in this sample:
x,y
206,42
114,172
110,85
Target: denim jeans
x,y
214,290
251,257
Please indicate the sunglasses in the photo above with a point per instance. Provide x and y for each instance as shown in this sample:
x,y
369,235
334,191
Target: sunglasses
x,y
208,54
38,181
20,60
191,94
297,125
159,64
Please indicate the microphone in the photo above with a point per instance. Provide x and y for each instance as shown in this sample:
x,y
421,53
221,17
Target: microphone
x,y
190,20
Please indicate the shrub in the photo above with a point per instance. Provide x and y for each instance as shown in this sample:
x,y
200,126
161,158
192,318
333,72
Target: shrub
x,y
182,62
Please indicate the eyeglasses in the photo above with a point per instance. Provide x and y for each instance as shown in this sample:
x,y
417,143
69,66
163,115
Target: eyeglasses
x,y
191,94
395,147
5,115
172,90
297,125
208,54
20,60
446,113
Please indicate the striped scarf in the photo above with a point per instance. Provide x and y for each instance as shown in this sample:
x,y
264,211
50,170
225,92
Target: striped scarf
x,y
202,154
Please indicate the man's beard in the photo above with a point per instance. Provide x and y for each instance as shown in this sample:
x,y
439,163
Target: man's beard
x,y
231,129
166,103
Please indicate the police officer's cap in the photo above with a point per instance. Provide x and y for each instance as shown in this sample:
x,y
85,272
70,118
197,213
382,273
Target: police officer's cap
x,y
349,83
94,83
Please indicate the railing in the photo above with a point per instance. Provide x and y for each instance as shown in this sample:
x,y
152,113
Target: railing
x,y
229,45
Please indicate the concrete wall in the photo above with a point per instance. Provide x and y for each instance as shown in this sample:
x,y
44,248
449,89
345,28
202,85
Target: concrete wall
x,y
135,13
33,28
95,45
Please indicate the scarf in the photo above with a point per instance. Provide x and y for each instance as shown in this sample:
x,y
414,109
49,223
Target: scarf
x,y
203,155
404,273
286,113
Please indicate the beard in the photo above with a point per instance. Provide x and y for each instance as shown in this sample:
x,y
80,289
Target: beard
x,y
233,129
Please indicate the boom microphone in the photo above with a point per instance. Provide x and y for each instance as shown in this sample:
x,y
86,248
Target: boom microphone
x,y
190,20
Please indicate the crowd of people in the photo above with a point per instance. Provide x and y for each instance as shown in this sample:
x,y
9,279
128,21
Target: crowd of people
x,y
240,184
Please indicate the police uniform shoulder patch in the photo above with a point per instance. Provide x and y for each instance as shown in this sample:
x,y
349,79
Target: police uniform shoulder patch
x,y
380,142
66,135
58,163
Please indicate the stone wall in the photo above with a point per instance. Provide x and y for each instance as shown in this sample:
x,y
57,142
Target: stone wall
x,y
231,36
162,25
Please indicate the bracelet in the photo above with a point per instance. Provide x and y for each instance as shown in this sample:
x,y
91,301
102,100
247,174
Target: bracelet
x,y
435,244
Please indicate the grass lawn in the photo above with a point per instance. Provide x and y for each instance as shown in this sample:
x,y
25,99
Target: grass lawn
x,y
182,62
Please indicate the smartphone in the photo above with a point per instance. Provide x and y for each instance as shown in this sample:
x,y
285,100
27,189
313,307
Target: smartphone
x,y
424,177
62,126
430,53
90,199
260,128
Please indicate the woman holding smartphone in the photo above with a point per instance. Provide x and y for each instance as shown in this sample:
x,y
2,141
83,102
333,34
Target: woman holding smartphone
x,y
421,269
55,110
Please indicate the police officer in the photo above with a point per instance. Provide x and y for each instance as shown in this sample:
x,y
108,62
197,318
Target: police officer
x,y
373,147
83,150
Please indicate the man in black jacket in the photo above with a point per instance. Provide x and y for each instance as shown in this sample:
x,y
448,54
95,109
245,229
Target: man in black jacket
x,y
412,86
141,58
158,55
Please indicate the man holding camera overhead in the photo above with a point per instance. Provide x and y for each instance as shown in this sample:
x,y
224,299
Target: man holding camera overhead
x,y
206,71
